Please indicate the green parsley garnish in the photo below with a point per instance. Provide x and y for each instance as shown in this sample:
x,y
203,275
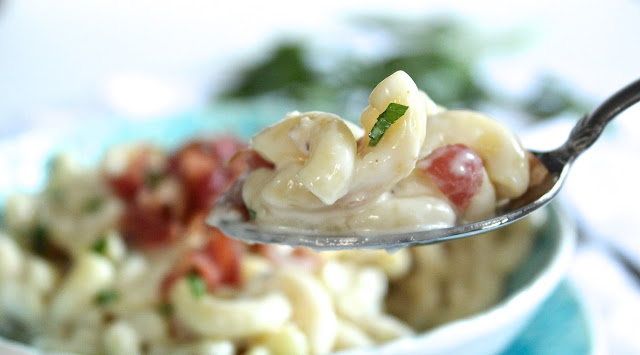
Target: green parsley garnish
x,y
100,246
385,120
106,297
252,214
93,205
39,239
197,285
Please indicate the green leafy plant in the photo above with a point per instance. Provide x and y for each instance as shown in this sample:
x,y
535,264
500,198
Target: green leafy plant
x,y
443,55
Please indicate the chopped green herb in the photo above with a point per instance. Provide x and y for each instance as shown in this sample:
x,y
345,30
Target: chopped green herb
x,y
165,309
106,297
153,178
252,214
385,120
93,205
100,246
39,239
197,285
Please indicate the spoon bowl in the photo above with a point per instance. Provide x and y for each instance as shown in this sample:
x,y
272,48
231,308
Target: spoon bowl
x,y
551,171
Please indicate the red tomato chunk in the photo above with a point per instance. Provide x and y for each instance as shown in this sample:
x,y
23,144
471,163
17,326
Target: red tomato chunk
x,y
456,170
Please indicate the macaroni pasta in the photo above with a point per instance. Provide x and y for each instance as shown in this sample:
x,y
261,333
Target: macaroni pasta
x,y
118,260
431,168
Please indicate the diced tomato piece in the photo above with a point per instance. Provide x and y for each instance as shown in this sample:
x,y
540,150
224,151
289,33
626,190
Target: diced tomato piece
x,y
456,170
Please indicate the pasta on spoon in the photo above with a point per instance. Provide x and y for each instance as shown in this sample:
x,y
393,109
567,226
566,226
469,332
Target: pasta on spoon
x,y
412,165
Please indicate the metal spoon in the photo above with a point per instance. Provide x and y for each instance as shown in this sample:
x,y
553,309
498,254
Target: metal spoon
x,y
558,162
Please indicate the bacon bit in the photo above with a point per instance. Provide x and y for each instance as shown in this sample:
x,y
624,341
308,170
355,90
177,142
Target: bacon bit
x,y
201,263
148,228
217,262
456,170
194,162
154,218
194,165
227,254
201,168
127,184
247,160
199,174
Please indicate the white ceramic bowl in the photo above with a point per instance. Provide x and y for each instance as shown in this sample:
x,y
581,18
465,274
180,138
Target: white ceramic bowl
x,y
488,332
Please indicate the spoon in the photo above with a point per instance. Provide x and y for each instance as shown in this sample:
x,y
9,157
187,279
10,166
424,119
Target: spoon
x,y
226,216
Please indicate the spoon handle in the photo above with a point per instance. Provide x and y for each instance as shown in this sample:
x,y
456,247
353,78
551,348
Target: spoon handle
x,y
589,128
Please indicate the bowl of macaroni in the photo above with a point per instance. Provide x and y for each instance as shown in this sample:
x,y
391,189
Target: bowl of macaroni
x,y
106,249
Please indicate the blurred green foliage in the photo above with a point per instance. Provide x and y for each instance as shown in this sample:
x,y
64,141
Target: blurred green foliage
x,y
285,70
443,55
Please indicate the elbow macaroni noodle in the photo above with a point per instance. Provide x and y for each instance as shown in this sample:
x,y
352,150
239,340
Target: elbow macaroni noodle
x,y
327,176
103,295
211,316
